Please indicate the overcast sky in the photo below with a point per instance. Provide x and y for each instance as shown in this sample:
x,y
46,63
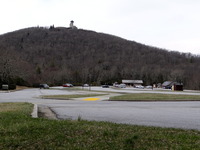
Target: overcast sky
x,y
169,24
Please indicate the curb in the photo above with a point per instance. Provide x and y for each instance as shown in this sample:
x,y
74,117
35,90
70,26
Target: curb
x,y
34,114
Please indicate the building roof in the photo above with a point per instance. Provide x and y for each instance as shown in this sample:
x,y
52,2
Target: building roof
x,y
167,83
132,81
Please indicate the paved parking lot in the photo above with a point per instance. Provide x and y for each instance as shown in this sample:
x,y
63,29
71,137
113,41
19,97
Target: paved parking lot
x,y
163,114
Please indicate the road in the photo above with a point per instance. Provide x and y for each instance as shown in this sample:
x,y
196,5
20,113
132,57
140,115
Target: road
x,y
162,114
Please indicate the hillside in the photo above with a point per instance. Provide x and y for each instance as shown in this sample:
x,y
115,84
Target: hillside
x,y
58,55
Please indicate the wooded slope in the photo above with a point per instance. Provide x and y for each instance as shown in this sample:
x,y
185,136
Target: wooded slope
x,y
59,55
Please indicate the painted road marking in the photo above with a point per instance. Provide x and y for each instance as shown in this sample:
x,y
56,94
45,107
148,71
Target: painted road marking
x,y
91,99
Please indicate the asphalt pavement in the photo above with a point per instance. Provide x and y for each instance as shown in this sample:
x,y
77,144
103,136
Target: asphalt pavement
x,y
183,115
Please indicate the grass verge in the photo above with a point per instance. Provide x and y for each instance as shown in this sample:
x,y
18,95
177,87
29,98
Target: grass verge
x,y
67,97
155,97
19,131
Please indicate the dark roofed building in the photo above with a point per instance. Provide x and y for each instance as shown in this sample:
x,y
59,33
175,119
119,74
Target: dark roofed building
x,y
172,85
167,84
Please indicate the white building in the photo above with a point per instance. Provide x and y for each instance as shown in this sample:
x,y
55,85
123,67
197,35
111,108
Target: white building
x,y
133,83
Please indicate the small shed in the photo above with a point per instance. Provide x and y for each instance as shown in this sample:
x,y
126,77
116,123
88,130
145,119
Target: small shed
x,y
132,82
177,87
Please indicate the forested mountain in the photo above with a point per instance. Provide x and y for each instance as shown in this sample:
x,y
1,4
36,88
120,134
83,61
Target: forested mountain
x,y
59,55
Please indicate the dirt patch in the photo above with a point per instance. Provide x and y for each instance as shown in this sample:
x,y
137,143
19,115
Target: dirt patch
x,y
21,87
